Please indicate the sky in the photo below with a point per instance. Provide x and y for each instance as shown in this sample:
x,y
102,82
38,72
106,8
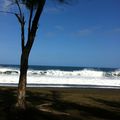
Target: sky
x,y
85,33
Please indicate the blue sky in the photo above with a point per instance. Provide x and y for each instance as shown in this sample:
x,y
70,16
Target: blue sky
x,y
86,33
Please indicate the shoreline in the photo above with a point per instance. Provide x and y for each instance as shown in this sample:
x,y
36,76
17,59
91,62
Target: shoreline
x,y
66,86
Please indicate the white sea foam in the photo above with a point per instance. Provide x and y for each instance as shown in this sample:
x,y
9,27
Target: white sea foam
x,y
62,80
78,77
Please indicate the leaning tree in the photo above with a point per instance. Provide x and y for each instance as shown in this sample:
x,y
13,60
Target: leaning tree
x,y
35,8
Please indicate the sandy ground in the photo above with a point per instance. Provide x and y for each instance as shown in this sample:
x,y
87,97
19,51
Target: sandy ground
x,y
62,104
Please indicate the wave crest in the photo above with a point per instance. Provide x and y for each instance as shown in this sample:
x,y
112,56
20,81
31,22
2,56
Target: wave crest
x,y
87,73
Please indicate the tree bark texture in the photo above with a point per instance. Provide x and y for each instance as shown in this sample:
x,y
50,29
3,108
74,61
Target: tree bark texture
x,y
21,102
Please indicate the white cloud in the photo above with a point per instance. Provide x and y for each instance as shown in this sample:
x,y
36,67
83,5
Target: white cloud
x,y
117,30
89,31
84,32
52,10
50,34
113,31
59,27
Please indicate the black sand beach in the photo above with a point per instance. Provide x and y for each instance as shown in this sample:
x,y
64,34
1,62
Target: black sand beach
x,y
62,104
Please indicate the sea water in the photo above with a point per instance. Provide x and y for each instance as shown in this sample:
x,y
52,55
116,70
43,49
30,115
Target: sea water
x,y
54,76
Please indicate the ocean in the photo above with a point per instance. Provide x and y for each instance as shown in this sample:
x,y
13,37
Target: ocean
x,y
58,76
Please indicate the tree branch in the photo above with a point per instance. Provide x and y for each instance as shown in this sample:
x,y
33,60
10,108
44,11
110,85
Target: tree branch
x,y
34,26
6,12
23,34
21,19
20,11
30,20
18,17
22,24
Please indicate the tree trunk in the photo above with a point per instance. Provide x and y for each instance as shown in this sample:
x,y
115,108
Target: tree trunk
x,y
21,102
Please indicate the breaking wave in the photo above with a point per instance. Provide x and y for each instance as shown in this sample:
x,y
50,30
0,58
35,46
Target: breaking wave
x,y
60,73
58,77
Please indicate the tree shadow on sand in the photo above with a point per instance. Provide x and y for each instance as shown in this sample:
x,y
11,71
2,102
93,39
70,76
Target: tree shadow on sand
x,y
51,106
114,104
